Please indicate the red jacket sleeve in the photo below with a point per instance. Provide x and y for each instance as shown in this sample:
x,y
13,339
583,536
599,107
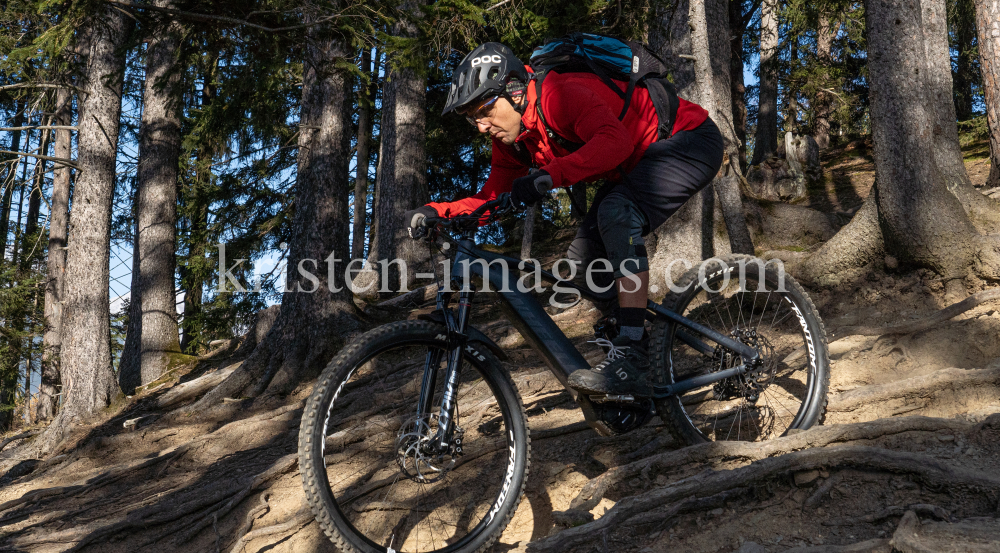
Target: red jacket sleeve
x,y
504,168
577,113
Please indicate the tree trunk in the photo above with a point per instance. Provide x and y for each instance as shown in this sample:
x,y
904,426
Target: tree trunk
x,y
939,91
791,88
965,34
88,378
670,38
401,181
988,25
363,164
38,179
825,35
194,273
11,177
690,234
156,214
130,364
766,140
314,318
529,231
920,222
984,212
737,89
58,221
710,19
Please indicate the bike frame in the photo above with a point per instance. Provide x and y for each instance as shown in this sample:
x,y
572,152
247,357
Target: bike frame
x,y
529,317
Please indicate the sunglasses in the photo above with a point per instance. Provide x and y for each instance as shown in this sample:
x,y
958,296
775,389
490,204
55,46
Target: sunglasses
x,y
475,113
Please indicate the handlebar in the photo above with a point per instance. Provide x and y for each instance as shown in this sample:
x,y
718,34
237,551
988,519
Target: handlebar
x,y
502,205
497,208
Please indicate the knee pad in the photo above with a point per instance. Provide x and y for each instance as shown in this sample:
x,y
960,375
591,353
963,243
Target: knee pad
x,y
621,222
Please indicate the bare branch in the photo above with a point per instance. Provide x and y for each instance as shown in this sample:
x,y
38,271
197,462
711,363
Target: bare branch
x,y
56,127
39,85
497,5
64,161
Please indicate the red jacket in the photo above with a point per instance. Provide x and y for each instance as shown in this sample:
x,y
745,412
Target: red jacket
x,y
581,108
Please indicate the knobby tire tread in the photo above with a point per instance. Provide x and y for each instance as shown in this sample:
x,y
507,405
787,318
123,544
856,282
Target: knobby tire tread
x,y
660,346
311,417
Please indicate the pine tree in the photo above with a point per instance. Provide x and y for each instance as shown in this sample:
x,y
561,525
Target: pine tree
x,y
88,380
154,325
988,24
766,140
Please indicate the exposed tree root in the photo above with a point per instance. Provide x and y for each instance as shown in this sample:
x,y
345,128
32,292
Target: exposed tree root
x,y
969,536
914,388
852,248
116,473
413,298
280,467
869,546
931,511
194,388
709,453
926,323
20,436
262,506
302,517
825,488
912,327
928,469
573,428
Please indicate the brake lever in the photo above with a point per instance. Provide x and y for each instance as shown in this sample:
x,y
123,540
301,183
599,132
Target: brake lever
x,y
417,233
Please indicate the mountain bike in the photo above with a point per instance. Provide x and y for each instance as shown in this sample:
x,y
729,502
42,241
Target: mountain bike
x,y
416,439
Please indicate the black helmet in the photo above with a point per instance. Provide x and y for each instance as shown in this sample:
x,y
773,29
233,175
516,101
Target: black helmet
x,y
483,73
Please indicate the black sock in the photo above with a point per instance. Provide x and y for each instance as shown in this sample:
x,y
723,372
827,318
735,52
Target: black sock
x,y
632,318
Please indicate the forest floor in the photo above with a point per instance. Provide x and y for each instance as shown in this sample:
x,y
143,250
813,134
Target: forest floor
x,y
906,460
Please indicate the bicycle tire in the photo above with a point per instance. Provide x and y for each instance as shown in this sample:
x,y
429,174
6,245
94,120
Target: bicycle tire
x,y
794,377
380,372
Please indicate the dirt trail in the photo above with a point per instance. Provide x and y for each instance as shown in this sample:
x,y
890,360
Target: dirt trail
x,y
906,460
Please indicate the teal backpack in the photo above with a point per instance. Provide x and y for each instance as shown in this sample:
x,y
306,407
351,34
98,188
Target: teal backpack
x,y
612,60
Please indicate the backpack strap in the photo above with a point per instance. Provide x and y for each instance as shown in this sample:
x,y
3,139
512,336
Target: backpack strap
x,y
564,143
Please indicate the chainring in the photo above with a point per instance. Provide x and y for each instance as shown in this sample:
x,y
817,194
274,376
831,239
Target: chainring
x,y
622,417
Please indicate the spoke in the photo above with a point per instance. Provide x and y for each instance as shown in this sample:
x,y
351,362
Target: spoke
x,y
776,400
763,310
790,312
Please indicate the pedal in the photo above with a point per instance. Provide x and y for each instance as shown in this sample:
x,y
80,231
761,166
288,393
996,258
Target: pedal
x,y
607,398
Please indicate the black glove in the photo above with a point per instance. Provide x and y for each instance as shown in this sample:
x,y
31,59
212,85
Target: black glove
x,y
414,218
527,190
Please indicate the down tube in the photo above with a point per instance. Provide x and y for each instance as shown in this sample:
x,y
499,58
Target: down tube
x,y
531,320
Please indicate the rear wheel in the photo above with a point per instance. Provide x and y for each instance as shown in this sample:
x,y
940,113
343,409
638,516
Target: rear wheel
x,y
370,471
768,311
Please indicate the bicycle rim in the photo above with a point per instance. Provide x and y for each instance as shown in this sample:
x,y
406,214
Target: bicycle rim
x,y
390,497
782,393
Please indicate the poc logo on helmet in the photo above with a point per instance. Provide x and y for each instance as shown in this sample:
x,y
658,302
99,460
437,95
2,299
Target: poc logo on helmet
x,y
486,59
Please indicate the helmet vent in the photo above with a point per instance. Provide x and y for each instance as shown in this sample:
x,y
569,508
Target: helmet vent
x,y
476,82
494,71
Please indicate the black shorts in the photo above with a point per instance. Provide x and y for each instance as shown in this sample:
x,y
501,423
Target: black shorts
x,y
670,172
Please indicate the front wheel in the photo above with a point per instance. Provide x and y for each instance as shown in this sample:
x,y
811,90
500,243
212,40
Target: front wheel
x,y
759,305
372,475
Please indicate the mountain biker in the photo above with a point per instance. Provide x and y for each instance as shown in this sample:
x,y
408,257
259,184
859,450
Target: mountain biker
x,y
647,179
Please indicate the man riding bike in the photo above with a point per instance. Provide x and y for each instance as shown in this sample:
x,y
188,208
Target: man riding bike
x,y
648,177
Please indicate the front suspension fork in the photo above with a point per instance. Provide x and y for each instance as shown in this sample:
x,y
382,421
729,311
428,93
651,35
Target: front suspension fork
x,y
457,326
